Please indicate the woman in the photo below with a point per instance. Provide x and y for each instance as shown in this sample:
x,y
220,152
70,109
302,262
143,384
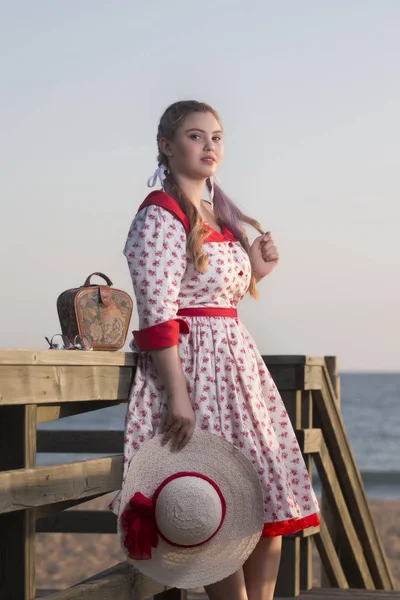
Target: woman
x,y
191,263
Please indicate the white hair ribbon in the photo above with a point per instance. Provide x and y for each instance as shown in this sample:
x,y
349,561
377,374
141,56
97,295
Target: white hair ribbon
x,y
210,191
159,173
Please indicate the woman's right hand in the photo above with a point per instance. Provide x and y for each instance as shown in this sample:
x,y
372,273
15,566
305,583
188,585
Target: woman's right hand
x,y
181,421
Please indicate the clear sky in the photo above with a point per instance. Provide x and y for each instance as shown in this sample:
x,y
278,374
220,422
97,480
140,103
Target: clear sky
x,y
309,94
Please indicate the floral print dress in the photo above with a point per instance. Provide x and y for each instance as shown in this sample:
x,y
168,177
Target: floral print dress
x,y
231,389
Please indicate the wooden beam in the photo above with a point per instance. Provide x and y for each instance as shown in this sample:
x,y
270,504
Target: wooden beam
x,y
50,509
94,442
174,594
309,440
331,364
42,384
292,402
351,483
310,445
312,377
287,376
51,412
293,359
79,521
66,357
121,582
356,568
17,531
44,485
329,557
288,581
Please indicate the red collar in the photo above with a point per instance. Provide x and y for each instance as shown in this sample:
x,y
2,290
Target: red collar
x,y
161,198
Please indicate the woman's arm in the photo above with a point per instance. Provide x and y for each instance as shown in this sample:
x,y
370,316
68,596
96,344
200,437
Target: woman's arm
x,y
181,420
156,254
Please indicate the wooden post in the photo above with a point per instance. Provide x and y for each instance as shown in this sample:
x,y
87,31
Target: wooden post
x,y
174,594
288,582
17,529
306,571
331,364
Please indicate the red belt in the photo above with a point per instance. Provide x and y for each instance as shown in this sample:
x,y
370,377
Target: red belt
x,y
207,311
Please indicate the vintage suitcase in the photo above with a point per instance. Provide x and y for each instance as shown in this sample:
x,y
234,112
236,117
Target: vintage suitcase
x,y
99,312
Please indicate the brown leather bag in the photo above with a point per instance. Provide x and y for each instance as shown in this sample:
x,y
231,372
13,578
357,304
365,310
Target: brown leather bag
x,y
99,312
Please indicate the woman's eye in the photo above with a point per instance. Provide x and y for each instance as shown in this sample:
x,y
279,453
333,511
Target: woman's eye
x,y
194,136
217,138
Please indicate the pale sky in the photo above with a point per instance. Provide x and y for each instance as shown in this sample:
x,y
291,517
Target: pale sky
x,y
309,95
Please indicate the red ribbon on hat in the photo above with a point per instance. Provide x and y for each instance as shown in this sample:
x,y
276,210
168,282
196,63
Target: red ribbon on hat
x,y
139,522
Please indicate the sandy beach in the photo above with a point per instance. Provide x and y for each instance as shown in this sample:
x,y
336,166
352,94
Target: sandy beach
x,y
65,559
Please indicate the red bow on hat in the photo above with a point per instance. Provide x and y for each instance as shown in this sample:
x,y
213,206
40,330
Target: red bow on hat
x,y
139,523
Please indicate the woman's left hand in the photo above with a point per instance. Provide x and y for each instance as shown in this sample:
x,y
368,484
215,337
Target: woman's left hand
x,y
264,255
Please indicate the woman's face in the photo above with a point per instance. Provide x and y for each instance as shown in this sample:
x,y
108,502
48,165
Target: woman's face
x,y
197,148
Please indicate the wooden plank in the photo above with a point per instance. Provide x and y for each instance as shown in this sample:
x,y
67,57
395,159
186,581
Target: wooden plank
x,y
42,384
331,364
291,559
79,521
293,359
306,423
292,402
351,483
356,568
66,357
306,410
329,558
44,485
305,533
306,566
17,531
116,583
312,377
349,594
30,518
50,509
173,594
309,441
332,368
100,442
51,412
288,581
287,377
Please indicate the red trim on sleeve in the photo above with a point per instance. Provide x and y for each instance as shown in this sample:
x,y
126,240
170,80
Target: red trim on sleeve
x,y
290,526
162,335
160,198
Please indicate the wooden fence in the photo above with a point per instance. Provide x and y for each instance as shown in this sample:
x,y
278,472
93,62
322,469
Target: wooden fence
x,y
44,385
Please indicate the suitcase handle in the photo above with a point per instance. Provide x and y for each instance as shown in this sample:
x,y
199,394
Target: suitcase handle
x,y
108,280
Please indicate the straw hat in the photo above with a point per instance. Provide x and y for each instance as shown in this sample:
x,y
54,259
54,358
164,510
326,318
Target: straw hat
x,y
191,517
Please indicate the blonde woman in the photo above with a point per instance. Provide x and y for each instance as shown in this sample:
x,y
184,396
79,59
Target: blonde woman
x,y
191,263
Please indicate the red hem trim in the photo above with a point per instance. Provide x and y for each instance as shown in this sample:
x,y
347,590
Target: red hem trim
x,y
162,335
290,526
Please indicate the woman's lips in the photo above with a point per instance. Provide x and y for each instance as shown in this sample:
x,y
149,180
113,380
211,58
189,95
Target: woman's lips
x,y
208,160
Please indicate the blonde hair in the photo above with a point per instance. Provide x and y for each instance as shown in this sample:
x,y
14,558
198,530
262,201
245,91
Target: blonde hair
x,y
225,210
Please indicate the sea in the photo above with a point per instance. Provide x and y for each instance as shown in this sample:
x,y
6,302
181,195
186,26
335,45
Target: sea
x,y
370,405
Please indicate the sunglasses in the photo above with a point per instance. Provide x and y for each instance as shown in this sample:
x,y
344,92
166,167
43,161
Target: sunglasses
x,y
80,343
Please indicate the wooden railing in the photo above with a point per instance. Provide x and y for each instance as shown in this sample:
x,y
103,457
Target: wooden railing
x,y
40,386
